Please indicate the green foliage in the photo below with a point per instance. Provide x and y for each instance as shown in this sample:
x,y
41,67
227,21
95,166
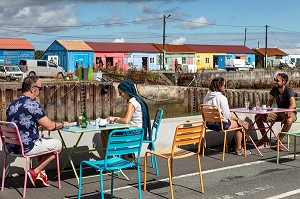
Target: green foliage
x,y
38,54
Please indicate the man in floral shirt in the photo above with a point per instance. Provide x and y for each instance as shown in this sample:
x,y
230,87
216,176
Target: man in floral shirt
x,y
28,115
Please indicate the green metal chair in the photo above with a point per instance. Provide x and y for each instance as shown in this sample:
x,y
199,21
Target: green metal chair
x,y
293,133
288,134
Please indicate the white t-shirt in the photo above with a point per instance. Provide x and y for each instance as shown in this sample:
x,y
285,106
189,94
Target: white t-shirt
x,y
137,117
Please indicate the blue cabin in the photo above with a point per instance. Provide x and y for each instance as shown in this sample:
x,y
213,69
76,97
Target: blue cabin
x,y
14,49
69,53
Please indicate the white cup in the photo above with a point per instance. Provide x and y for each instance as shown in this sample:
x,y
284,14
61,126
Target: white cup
x,y
263,106
103,122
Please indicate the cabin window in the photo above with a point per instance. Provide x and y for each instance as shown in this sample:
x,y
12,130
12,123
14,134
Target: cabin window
x,y
151,60
207,60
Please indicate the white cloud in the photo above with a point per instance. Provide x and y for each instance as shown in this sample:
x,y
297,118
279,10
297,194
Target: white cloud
x,y
38,16
180,40
119,40
196,23
114,21
23,13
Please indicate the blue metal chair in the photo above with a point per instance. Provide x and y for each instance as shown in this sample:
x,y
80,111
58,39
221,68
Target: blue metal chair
x,y
120,142
153,136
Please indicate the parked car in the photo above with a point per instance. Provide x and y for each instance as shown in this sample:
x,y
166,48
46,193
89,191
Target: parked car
x,y
11,73
42,68
238,64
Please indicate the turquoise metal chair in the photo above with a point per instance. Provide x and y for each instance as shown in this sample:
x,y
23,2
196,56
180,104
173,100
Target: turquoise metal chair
x,y
153,136
120,142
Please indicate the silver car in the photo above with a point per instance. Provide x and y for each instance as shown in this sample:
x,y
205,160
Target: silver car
x,y
11,73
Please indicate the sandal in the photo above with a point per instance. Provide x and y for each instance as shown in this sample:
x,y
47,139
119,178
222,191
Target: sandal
x,y
244,124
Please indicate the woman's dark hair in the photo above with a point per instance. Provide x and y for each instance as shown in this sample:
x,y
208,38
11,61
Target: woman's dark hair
x,y
29,82
216,84
284,77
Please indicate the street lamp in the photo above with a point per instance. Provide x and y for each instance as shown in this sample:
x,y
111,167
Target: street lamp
x,y
164,40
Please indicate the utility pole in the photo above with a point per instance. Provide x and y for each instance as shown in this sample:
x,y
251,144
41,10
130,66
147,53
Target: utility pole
x,y
245,37
266,48
164,41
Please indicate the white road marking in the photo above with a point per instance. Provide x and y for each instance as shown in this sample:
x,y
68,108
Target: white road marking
x,y
284,195
204,172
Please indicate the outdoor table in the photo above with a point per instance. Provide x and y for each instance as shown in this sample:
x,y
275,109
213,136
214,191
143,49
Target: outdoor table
x,y
83,131
269,124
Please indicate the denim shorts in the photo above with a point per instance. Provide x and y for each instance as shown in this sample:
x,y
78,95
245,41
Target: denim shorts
x,y
216,126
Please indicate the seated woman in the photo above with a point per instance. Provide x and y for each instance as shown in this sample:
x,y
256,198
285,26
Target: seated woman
x,y
215,97
137,109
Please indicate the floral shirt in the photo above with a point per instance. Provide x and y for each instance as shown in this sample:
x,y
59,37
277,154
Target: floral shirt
x,y
25,112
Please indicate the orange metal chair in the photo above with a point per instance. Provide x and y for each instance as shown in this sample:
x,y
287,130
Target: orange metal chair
x,y
185,134
211,113
9,134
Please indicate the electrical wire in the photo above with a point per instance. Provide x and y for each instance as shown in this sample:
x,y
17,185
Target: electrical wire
x,y
295,51
84,25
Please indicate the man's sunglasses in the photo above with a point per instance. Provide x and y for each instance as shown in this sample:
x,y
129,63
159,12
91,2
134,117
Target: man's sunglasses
x,y
276,80
40,88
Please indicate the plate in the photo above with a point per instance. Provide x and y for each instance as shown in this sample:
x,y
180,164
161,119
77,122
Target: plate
x,y
110,124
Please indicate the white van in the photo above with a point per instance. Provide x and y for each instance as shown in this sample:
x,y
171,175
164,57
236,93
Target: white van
x,y
238,64
41,68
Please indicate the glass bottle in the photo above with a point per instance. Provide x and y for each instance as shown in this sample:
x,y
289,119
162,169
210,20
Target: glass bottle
x,y
257,103
84,123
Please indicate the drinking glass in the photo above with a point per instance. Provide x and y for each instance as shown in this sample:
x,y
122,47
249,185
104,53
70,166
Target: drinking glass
x,y
80,119
247,104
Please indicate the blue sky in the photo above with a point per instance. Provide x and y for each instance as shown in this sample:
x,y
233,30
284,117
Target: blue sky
x,y
192,21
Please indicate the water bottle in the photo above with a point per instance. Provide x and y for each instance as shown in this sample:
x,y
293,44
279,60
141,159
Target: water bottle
x,y
84,124
257,103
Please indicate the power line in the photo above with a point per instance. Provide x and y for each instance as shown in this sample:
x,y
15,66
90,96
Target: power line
x,y
291,31
215,24
83,25
295,51
76,36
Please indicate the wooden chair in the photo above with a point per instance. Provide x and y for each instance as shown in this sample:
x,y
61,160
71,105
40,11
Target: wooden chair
x,y
211,113
185,134
9,133
153,136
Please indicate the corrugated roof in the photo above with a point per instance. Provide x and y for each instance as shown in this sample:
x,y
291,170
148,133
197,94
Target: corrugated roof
x,y
15,44
270,52
292,51
175,48
75,45
121,47
219,48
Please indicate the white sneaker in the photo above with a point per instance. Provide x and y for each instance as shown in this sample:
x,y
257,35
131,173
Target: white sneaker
x,y
241,151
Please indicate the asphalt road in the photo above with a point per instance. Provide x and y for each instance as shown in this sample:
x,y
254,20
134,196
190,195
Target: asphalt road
x,y
236,177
